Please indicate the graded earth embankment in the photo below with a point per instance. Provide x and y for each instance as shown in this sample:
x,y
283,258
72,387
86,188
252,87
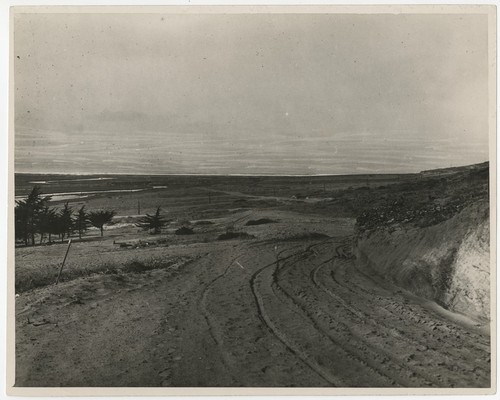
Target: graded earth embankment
x,y
448,263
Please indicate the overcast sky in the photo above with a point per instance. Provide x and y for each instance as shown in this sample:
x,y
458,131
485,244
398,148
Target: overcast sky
x,y
251,94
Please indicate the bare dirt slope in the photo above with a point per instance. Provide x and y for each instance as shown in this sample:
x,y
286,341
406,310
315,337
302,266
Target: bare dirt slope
x,y
283,309
448,262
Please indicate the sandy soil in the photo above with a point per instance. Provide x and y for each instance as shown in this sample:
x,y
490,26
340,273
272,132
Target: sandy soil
x,y
279,310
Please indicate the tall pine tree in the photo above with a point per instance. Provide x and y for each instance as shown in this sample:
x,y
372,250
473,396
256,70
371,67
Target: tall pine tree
x,y
27,213
152,223
101,218
81,221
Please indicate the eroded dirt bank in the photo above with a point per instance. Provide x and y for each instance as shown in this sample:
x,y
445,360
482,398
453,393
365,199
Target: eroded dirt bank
x,y
283,309
448,263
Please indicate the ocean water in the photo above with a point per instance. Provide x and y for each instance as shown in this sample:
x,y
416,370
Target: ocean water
x,y
209,153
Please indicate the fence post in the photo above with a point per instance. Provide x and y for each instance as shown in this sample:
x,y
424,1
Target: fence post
x,y
64,260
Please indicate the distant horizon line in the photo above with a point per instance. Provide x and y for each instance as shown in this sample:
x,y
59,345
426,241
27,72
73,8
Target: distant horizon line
x,y
195,174
249,175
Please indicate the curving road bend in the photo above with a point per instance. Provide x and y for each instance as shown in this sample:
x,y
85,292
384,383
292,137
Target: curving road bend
x,y
246,313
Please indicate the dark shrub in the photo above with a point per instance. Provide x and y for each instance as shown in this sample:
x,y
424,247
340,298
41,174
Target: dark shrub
x,y
235,235
308,236
184,231
204,223
261,221
137,267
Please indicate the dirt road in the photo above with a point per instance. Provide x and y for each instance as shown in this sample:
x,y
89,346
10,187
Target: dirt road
x,y
296,312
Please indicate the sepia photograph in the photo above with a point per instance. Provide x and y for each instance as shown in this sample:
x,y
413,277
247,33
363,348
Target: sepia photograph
x,y
253,198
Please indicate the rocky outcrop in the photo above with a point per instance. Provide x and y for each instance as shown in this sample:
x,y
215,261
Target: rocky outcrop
x,y
448,262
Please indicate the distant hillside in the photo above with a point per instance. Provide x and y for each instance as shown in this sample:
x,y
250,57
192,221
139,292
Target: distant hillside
x,y
433,197
452,170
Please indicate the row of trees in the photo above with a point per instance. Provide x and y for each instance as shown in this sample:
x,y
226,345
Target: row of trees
x,y
33,217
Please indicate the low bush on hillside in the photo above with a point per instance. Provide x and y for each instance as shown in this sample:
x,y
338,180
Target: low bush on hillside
x,y
260,221
184,231
235,235
201,223
308,236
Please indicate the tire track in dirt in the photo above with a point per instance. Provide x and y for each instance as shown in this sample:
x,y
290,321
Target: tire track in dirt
x,y
354,321
254,277
309,329
257,284
212,327
341,335
241,335
394,327
480,342
348,276
442,335
222,341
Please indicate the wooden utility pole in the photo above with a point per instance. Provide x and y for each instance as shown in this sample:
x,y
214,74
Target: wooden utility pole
x,y
138,207
64,260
